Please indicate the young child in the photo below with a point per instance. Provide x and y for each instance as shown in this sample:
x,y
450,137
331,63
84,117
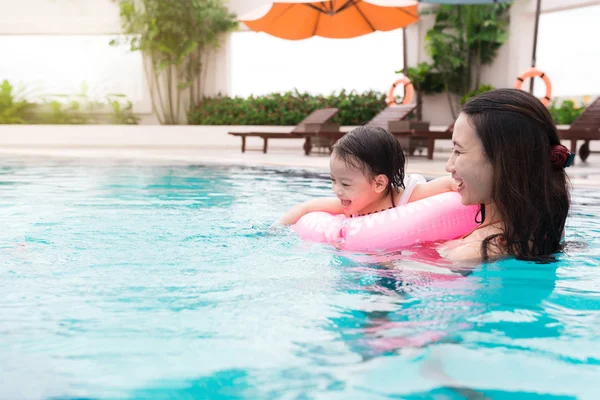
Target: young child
x,y
367,175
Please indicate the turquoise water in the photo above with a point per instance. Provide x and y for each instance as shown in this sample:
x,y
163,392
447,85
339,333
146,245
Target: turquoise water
x,y
122,281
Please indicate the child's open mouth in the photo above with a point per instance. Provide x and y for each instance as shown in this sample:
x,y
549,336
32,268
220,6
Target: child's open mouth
x,y
346,203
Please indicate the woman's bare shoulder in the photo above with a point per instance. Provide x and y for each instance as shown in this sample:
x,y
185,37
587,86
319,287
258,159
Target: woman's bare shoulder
x,y
470,247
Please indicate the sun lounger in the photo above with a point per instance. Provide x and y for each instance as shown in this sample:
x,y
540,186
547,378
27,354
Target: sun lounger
x,y
312,121
382,120
586,127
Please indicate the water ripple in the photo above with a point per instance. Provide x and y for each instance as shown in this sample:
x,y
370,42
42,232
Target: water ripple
x,y
128,281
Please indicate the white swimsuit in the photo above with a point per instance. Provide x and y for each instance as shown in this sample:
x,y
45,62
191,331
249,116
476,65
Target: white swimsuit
x,y
410,183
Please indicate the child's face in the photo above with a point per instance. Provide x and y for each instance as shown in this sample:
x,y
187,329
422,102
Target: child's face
x,y
353,187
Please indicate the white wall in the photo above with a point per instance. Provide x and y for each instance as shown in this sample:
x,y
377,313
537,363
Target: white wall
x,y
242,7
59,17
561,5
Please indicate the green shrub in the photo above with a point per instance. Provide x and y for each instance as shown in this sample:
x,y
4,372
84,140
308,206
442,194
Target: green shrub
x,y
13,108
566,113
64,109
286,108
481,89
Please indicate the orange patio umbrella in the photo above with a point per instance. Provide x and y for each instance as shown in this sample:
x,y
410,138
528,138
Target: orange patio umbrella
x,y
300,19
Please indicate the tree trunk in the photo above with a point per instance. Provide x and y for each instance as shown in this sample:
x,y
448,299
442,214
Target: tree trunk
x,y
420,105
170,95
190,72
478,67
161,98
451,104
464,35
178,94
203,74
199,78
150,80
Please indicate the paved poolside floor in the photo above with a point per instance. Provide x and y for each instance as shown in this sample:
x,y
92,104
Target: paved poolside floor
x,y
581,174
207,145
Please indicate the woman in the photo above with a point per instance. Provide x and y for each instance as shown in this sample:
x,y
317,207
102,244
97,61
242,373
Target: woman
x,y
507,157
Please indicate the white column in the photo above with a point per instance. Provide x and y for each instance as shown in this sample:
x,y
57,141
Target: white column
x,y
217,79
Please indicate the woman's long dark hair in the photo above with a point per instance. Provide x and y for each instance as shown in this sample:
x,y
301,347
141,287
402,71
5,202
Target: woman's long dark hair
x,y
531,195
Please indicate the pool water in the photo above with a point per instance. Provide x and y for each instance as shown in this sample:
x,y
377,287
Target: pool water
x,y
125,281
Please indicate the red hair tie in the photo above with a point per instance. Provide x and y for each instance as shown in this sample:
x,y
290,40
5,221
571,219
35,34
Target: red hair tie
x,y
561,157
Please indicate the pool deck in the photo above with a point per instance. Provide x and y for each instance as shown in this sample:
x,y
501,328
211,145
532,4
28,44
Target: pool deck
x,y
183,145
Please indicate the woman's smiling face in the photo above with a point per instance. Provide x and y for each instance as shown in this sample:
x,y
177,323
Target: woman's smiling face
x,y
469,165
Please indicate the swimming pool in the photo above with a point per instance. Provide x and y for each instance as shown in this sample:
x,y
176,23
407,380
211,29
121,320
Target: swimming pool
x,y
122,281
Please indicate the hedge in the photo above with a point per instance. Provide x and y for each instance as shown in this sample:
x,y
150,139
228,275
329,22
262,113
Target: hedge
x,y
291,107
286,108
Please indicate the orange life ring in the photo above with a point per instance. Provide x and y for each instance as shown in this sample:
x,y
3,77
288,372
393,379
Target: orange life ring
x,y
408,92
532,73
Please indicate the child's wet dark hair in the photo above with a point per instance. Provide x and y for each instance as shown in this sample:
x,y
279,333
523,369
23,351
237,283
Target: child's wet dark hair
x,y
375,151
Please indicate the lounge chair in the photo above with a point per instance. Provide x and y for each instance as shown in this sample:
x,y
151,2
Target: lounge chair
x,y
315,119
391,114
428,135
585,127
382,120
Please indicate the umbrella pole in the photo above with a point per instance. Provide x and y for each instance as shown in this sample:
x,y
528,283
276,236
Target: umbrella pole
x,y
535,38
404,52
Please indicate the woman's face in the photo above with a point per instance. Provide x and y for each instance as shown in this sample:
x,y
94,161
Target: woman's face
x,y
469,165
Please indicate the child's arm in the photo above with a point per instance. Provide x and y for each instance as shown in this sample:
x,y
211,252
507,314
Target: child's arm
x,y
331,205
431,188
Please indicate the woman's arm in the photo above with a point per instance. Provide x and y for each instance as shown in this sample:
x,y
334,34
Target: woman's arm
x,y
331,205
431,188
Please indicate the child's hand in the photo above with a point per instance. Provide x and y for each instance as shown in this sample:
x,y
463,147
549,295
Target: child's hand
x,y
331,205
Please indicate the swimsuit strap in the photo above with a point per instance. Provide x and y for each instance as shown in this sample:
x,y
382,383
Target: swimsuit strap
x,y
410,183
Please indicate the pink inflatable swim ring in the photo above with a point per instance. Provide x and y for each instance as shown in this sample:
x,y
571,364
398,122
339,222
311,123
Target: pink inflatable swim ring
x,y
437,218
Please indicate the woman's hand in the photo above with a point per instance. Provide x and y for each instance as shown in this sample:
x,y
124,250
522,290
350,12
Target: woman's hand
x,y
431,188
